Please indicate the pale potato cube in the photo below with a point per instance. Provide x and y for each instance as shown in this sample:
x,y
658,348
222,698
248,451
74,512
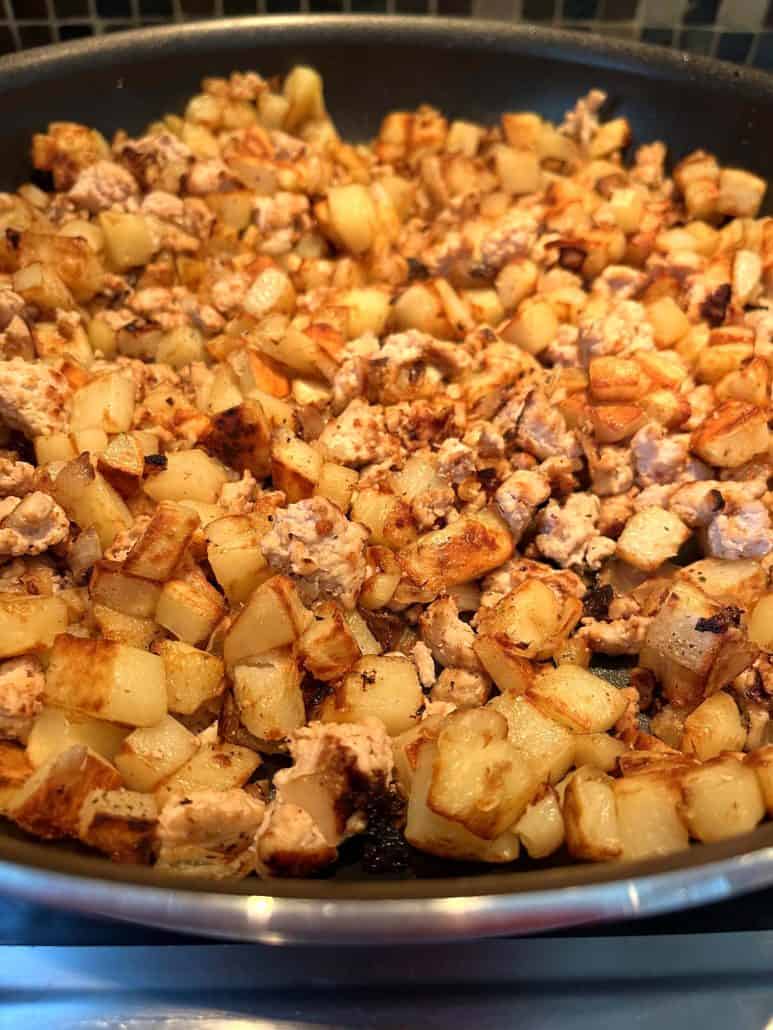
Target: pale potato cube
x,y
388,518
105,680
530,622
761,761
235,556
336,483
89,500
740,193
190,608
549,746
385,686
328,648
151,754
713,727
648,816
216,765
739,582
120,823
733,434
668,321
598,750
188,476
55,730
518,170
112,587
353,216
123,628
54,447
128,239
368,309
48,804
590,816
722,799
268,695
162,545
761,623
273,617
430,832
295,466
29,623
541,827
106,403
533,327
180,346
651,536
193,677
577,699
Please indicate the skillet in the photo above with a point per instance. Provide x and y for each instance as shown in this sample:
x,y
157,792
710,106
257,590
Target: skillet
x,y
371,65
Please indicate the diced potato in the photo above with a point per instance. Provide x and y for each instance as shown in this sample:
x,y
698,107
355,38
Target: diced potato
x,y
533,327
651,536
368,308
188,476
120,823
303,90
89,500
54,447
518,170
295,466
761,623
40,284
353,216
273,617
193,677
388,518
15,769
55,730
123,628
541,827
732,434
598,750
105,680
436,835
530,622
577,699
268,695
122,463
327,648
722,798
590,816
761,761
359,629
128,239
385,686
713,727
240,437
160,548
215,766
235,556
190,608
151,754
48,804
740,582
648,816
29,623
549,746
616,379
106,402
479,779
336,483
224,392
180,346
464,550
112,587
668,321
740,193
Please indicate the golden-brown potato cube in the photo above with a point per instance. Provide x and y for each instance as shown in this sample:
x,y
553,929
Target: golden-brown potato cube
x,y
128,239
15,769
327,648
336,483
648,816
152,753
106,402
616,380
216,765
120,823
112,587
713,727
761,623
590,816
740,582
385,686
577,699
122,463
273,617
192,676
740,193
187,476
533,327
48,804
29,623
353,217
55,730
598,750
464,550
518,170
89,500
668,321
651,536
162,545
549,746
106,681
241,438
234,553
541,827
731,435
531,621
430,832
761,761
268,695
613,423
123,628
295,466
722,798
479,779
388,518
190,608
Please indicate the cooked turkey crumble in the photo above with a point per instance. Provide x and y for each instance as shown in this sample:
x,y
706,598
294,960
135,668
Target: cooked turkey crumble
x,y
330,472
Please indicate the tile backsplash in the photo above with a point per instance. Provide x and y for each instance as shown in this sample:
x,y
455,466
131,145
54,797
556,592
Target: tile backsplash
x,y
734,30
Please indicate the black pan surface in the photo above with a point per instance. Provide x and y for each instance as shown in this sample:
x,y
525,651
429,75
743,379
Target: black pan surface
x,y
372,65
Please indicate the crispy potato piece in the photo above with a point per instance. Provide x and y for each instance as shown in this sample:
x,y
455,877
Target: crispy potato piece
x,y
598,750
740,582
123,628
159,549
112,587
327,648
761,761
651,537
731,435
385,686
55,730
187,476
29,623
120,823
577,699
49,803
216,765
151,754
192,676
649,817
273,617
530,622
268,694
15,769
549,746
190,608
241,438
722,798
590,816
713,727
295,466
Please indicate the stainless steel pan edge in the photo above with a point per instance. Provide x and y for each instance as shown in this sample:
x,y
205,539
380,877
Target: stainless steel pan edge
x,y
272,920
371,64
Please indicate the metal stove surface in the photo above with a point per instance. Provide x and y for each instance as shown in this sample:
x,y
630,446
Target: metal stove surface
x,y
707,968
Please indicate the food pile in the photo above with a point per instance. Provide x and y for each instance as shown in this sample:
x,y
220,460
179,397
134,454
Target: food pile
x,y
330,472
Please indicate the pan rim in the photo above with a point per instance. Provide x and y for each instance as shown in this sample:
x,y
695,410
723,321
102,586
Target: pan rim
x,y
379,912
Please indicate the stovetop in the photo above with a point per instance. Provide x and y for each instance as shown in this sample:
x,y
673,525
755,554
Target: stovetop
x,y
711,967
